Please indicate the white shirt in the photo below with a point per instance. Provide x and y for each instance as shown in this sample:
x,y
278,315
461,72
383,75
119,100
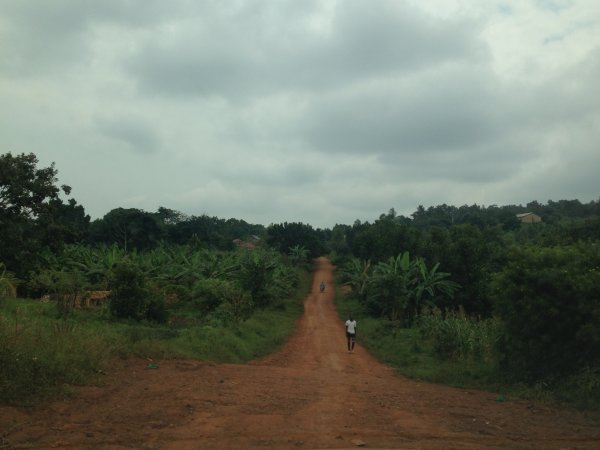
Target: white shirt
x,y
351,326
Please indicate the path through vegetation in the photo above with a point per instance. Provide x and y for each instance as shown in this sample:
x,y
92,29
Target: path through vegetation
x,y
311,394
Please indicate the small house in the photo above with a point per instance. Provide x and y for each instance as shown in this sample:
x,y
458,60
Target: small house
x,y
529,218
243,244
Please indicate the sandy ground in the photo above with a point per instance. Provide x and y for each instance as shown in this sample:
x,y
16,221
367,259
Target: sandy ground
x,y
311,394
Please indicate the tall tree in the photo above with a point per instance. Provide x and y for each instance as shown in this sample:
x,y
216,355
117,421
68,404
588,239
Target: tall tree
x,y
130,228
29,202
287,235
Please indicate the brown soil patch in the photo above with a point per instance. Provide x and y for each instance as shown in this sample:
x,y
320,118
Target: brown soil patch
x,y
311,394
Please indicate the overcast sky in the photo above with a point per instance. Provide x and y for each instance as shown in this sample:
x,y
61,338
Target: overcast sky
x,y
311,111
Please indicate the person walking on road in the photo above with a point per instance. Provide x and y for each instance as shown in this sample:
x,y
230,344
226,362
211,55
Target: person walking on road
x,y
351,333
322,286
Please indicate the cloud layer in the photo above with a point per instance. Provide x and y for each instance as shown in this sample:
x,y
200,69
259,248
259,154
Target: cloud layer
x,y
315,111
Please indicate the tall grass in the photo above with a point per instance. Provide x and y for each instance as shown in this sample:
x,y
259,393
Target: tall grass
x,y
455,335
39,355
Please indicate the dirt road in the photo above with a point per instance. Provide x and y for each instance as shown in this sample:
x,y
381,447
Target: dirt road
x,y
311,394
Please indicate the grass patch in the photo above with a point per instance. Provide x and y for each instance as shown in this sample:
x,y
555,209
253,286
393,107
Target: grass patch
x,y
39,355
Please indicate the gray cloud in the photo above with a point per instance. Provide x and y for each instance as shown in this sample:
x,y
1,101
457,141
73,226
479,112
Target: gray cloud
x,y
215,56
430,112
138,135
54,35
320,111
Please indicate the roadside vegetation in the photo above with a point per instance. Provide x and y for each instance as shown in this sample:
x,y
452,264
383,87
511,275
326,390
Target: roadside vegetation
x,y
463,295
529,326
43,350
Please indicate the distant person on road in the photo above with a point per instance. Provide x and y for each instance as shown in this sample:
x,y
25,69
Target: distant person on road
x,y
351,333
322,287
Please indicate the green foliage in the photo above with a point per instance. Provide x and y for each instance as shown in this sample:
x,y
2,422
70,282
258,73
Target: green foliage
x,y
177,277
156,310
383,239
207,294
299,255
129,228
399,287
457,336
412,351
284,236
32,215
132,298
211,294
207,232
38,356
255,275
129,292
390,287
8,283
471,255
338,241
356,275
549,300
62,223
285,281
66,288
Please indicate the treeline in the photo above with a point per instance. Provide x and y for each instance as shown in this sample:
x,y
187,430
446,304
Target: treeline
x,y
36,221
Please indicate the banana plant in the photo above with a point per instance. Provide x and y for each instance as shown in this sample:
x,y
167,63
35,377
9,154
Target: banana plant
x,y
358,273
298,254
400,286
391,286
8,283
430,282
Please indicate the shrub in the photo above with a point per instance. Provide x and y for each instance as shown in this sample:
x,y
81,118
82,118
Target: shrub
x,y
255,275
222,297
207,294
65,287
132,298
549,300
127,299
156,310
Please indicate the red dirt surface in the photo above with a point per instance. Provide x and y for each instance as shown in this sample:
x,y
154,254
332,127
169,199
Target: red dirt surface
x,y
310,394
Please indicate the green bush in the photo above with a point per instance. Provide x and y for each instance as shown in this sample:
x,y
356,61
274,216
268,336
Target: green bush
x,y
156,310
129,292
132,297
208,294
550,302
255,276
581,388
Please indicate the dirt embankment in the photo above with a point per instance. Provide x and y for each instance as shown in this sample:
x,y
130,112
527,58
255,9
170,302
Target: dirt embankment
x,y
311,394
